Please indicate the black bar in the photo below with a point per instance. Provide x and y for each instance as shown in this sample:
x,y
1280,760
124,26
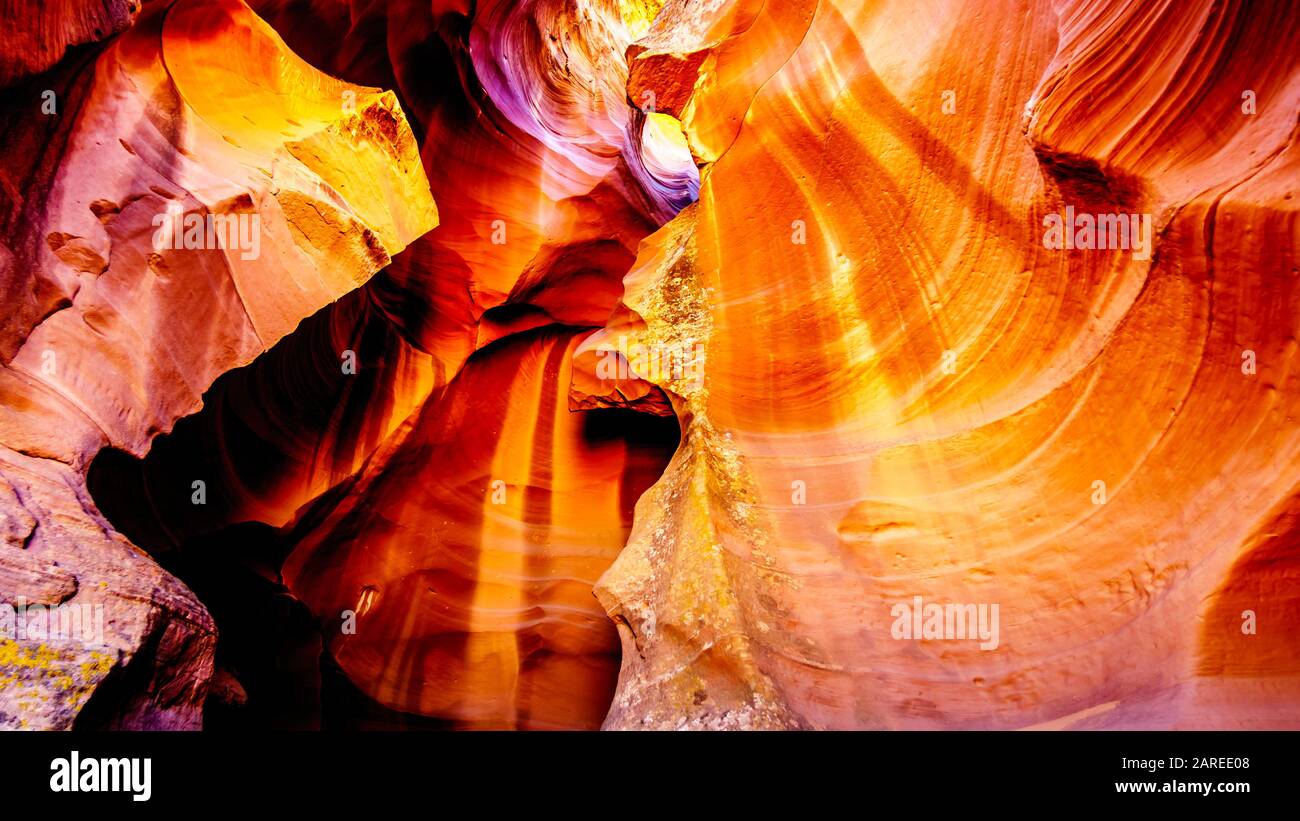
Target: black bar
x,y
453,773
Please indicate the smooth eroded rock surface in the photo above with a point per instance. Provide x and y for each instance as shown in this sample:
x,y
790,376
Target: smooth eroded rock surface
x,y
907,393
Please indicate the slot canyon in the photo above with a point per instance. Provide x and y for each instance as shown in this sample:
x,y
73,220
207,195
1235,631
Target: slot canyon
x,y
650,364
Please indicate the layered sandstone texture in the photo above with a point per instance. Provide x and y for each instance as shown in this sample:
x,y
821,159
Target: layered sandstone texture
x,y
118,316
737,327
39,34
908,393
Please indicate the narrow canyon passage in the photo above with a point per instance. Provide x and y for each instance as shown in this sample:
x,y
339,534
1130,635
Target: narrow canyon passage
x,y
410,448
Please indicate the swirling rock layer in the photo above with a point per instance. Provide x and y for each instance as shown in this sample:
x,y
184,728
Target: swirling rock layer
x,y
908,394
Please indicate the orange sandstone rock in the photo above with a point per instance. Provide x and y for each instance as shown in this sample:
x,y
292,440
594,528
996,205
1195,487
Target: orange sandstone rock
x,y
546,181
909,394
129,298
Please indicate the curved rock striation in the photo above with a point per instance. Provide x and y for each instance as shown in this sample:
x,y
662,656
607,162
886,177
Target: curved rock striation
x,y
915,396
42,33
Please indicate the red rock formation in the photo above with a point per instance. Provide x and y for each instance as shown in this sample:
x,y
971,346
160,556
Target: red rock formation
x,y
1097,442
117,325
39,34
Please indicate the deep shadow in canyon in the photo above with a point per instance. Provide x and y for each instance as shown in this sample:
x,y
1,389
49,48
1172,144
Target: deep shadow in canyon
x,y
273,668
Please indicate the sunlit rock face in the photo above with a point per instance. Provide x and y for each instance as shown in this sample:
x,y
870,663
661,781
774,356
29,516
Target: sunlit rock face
x,y
908,393
195,191
808,364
